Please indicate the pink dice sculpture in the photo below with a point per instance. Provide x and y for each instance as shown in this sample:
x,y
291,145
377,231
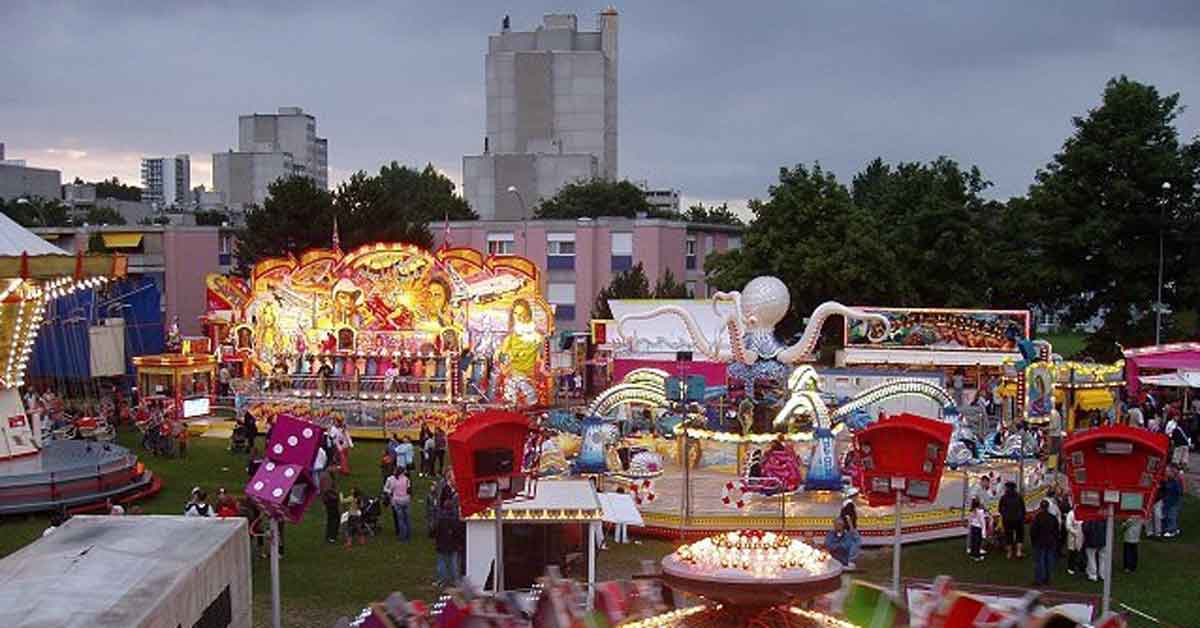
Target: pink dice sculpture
x,y
294,441
283,491
284,486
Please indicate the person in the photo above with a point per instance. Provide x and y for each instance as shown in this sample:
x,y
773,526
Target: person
x,y
397,488
427,454
621,533
332,502
227,506
324,375
1172,497
198,507
320,464
1181,443
959,381
1012,517
113,508
977,520
449,535
343,442
59,517
404,455
1095,546
223,378
842,542
1157,513
1064,508
1075,557
1136,418
439,449
1131,530
1043,536
849,512
256,517
250,427
352,517
981,491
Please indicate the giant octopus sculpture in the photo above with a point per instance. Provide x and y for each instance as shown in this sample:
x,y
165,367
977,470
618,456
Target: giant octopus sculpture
x,y
754,350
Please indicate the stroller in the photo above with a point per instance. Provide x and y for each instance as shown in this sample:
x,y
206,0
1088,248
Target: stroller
x,y
371,512
239,441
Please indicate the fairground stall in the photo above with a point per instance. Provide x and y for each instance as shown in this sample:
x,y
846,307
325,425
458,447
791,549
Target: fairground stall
x,y
387,336
1089,393
183,382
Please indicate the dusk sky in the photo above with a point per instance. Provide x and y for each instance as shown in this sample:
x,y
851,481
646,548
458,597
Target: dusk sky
x,y
714,96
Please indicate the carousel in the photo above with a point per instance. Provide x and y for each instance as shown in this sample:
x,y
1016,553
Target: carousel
x,y
387,337
39,470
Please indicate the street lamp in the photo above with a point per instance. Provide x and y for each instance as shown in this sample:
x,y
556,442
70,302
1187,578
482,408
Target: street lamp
x,y
512,189
1158,305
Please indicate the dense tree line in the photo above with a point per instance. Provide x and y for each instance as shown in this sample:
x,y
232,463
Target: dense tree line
x,y
1083,241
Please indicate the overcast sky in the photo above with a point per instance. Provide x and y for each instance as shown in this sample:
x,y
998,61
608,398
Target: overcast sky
x,y
714,96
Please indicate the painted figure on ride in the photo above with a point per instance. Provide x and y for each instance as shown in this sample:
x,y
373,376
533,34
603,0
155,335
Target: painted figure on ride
x,y
519,355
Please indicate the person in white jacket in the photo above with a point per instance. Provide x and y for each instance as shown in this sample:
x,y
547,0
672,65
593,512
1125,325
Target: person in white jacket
x,y
1074,543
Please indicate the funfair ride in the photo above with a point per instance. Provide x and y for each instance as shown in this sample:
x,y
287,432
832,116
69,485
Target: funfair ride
x,y
39,472
387,336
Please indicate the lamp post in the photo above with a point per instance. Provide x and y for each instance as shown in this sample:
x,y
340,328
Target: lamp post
x,y
512,189
1158,304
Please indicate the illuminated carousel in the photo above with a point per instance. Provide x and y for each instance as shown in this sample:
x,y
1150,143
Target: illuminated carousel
x,y
37,471
388,336
749,579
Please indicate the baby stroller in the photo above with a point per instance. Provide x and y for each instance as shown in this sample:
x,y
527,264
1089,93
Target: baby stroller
x,y
371,512
239,441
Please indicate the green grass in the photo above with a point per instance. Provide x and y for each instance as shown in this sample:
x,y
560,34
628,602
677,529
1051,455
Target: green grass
x,y
321,582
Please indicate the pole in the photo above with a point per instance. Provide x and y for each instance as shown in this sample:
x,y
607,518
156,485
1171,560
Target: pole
x,y
896,548
276,614
593,527
498,581
1108,548
1021,465
1162,208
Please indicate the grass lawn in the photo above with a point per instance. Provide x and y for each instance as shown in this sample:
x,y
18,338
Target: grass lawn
x,y
322,582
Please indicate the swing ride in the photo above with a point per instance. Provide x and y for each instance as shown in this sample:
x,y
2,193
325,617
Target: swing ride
x,y
38,470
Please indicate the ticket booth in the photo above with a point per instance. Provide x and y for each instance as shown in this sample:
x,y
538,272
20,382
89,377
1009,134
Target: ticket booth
x,y
1115,465
902,455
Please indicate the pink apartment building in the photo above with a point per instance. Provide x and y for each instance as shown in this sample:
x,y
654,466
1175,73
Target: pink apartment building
x,y
580,257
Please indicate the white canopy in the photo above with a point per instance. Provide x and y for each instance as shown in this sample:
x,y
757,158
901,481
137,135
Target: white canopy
x,y
1178,379
667,333
15,240
139,571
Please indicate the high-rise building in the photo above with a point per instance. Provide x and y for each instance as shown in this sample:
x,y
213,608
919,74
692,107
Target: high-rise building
x,y
270,146
243,178
661,199
167,181
18,180
551,114
288,131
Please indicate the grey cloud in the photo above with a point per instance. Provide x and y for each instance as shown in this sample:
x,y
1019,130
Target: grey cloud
x,y
715,96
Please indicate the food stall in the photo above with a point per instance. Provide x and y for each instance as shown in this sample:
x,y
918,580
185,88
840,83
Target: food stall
x,y
187,378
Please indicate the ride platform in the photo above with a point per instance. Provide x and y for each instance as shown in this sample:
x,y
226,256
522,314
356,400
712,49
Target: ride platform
x,y
75,475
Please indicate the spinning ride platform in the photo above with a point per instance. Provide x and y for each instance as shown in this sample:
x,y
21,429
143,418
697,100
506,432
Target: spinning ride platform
x,y
811,514
73,474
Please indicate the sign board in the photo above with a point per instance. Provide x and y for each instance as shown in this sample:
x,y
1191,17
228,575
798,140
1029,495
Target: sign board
x,y
1116,464
905,453
938,329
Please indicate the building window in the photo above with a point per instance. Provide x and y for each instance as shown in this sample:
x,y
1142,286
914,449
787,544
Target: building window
x,y
708,245
691,253
622,251
560,251
735,243
562,297
500,244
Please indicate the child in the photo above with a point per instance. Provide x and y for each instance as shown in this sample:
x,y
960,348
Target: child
x,y
978,521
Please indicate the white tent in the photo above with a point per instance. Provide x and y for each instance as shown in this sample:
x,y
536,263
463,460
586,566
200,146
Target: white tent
x,y
662,336
130,572
1178,379
15,240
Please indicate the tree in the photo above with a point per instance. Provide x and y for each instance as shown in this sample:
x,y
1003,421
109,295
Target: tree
x,y
36,212
629,284
396,205
104,216
715,215
296,215
211,218
1104,207
113,188
596,198
667,287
